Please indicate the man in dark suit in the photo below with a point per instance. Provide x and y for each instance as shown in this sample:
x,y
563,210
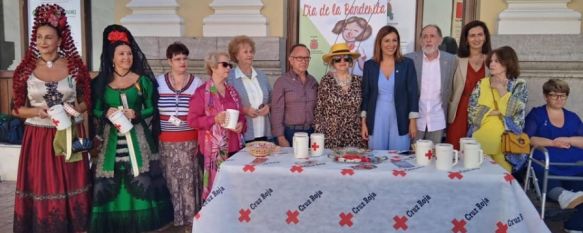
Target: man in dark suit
x,y
435,70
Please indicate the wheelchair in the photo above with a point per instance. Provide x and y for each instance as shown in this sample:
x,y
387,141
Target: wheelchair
x,y
541,194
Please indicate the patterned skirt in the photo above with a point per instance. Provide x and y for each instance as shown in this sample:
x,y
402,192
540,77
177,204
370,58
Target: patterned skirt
x,y
183,173
51,195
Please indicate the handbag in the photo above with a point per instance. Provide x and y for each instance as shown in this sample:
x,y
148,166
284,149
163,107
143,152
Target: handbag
x,y
513,143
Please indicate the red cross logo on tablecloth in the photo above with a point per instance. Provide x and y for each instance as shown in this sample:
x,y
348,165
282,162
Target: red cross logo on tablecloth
x,y
429,154
197,216
244,215
292,217
454,175
400,222
296,169
249,168
399,172
347,172
315,146
502,228
56,122
345,219
508,177
459,226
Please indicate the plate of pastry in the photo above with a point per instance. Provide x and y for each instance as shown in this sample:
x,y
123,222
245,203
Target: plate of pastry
x,y
355,155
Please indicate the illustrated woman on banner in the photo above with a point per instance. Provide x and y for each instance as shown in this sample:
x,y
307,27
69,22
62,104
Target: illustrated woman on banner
x,y
354,31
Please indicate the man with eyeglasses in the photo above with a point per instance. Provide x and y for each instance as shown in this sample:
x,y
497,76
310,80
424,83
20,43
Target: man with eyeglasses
x,y
294,98
435,70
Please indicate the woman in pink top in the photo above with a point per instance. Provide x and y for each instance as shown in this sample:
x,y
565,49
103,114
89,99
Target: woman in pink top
x,y
207,115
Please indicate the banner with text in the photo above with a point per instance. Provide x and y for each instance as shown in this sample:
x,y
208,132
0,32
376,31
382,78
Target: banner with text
x,y
355,22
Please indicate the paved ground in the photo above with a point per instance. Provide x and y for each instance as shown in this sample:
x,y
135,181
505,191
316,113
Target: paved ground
x,y
7,205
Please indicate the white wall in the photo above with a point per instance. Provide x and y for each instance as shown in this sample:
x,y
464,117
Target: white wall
x,y
11,20
438,12
102,16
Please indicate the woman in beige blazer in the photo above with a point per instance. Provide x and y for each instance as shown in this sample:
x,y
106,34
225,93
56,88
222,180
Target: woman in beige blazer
x,y
474,46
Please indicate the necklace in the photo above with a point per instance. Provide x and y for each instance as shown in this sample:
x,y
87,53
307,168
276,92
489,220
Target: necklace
x,y
342,83
120,75
51,62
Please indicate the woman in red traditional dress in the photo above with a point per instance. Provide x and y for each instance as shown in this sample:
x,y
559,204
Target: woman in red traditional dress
x,y
52,190
474,46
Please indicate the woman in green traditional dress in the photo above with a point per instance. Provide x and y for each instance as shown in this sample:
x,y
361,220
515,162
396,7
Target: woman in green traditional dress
x,y
128,196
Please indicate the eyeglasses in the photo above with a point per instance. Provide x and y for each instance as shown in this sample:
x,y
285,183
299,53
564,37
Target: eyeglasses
x,y
306,59
338,59
226,64
557,96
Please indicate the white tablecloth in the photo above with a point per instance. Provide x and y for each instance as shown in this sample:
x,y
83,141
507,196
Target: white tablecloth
x,y
284,194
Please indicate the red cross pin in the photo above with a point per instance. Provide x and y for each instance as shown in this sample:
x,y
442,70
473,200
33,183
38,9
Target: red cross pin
x,y
249,168
400,222
292,217
296,169
244,215
345,219
197,216
117,126
56,122
459,226
455,175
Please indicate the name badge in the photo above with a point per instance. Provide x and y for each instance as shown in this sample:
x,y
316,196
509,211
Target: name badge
x,y
175,121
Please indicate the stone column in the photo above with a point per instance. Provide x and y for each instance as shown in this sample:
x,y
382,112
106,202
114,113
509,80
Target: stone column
x,y
153,18
235,17
539,17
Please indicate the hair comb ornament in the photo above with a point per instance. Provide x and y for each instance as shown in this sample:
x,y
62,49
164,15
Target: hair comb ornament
x,y
115,35
52,15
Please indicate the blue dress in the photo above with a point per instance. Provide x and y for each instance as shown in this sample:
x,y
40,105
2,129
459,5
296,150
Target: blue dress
x,y
386,132
538,125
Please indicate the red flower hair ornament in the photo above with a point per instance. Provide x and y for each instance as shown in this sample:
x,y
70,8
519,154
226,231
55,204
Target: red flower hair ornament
x,y
114,36
53,15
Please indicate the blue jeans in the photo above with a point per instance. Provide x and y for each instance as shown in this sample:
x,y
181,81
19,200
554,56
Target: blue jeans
x,y
288,133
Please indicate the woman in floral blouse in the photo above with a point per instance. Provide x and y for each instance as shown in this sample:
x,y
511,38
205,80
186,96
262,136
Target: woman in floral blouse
x,y
498,104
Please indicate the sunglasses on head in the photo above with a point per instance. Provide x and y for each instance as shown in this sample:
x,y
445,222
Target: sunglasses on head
x,y
226,64
346,58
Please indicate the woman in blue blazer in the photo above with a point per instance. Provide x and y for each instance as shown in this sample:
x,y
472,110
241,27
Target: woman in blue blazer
x,y
390,95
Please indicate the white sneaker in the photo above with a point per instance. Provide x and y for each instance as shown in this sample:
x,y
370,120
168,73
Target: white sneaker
x,y
573,231
570,200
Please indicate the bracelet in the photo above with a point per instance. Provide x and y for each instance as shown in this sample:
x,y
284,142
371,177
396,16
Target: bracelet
x,y
363,114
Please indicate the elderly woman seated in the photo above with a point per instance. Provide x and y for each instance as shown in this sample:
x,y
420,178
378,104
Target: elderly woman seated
x,y
561,132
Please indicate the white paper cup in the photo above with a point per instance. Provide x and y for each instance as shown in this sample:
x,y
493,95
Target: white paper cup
x,y
231,118
59,117
317,144
473,156
422,147
121,122
464,141
300,145
447,157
